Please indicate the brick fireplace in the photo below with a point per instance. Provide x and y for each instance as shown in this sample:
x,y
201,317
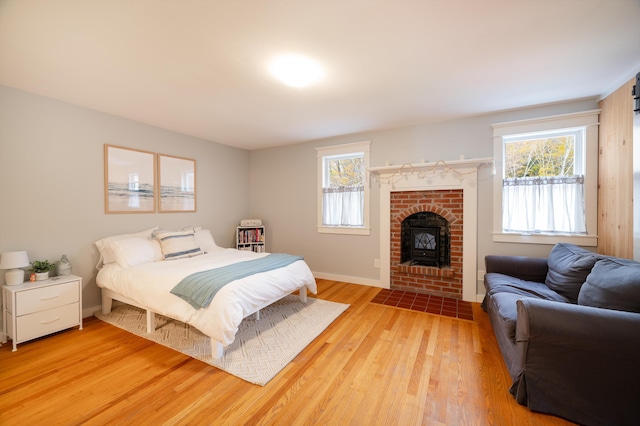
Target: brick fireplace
x,y
442,277
448,189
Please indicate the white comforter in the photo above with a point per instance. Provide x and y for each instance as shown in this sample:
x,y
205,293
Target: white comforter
x,y
150,284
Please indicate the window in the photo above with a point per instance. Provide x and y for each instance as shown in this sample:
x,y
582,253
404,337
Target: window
x,y
543,183
546,182
343,190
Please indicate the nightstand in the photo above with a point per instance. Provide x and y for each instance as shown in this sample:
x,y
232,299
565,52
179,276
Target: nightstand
x,y
35,309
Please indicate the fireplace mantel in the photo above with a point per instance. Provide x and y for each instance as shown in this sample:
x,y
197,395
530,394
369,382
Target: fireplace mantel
x,y
437,167
439,175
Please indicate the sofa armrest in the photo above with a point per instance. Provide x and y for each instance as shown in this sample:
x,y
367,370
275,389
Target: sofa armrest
x,y
522,267
579,362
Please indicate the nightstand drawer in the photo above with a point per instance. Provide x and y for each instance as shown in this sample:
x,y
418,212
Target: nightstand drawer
x,y
45,322
40,299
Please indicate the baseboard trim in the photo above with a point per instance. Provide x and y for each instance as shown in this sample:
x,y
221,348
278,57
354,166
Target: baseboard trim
x,y
365,281
88,312
348,279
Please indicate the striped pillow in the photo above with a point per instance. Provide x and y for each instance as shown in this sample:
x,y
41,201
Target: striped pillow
x,y
177,245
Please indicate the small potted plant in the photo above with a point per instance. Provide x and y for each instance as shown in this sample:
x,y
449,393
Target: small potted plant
x,y
42,268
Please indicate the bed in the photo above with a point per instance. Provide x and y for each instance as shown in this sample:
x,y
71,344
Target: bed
x,y
141,270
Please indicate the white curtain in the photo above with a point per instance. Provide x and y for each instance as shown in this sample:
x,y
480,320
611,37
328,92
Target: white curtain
x,y
343,206
544,204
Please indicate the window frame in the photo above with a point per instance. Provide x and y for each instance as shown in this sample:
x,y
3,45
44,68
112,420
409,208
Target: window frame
x,y
587,120
337,150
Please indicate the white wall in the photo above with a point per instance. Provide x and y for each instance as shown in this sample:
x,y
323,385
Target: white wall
x,y
52,200
52,182
283,189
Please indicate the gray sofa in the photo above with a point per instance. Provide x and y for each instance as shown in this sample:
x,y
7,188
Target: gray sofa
x,y
568,327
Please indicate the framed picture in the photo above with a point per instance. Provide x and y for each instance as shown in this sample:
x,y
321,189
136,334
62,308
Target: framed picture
x,y
177,182
129,180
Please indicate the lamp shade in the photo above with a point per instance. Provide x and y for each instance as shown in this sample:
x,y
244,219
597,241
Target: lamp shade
x,y
14,260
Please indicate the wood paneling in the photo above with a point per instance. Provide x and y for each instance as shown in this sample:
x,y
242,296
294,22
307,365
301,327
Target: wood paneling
x,y
375,365
615,174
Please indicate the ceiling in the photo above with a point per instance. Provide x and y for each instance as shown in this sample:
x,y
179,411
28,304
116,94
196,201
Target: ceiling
x,y
201,67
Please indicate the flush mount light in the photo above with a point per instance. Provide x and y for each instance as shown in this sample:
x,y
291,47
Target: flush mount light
x,y
296,70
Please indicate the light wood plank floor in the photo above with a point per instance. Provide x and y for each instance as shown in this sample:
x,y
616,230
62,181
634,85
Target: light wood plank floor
x,y
375,365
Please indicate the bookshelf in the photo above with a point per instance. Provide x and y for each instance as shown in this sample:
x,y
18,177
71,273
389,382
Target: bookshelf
x,y
250,238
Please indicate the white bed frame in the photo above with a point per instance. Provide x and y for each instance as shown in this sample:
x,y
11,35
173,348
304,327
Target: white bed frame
x,y
217,349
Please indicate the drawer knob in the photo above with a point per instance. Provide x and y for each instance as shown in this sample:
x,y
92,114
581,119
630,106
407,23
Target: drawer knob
x,y
50,321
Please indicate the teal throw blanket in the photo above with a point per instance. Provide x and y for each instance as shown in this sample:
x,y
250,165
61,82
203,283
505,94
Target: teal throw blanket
x,y
199,288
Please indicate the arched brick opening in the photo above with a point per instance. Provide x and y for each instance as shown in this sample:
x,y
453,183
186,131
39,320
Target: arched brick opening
x,y
442,281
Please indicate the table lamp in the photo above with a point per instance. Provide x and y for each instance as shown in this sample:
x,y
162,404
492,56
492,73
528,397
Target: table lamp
x,y
14,260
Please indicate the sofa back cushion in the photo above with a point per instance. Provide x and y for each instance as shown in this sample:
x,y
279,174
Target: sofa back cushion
x,y
613,284
569,266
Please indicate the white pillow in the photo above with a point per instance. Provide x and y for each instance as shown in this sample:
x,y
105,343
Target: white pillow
x,y
106,254
205,240
203,237
135,251
177,245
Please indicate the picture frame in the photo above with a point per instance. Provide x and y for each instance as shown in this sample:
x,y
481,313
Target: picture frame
x,y
129,180
176,184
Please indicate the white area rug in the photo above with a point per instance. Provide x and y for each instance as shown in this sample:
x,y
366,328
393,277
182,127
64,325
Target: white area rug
x,y
262,348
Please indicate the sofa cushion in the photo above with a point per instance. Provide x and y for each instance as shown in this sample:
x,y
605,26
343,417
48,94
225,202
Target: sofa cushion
x,y
613,284
500,283
505,307
569,266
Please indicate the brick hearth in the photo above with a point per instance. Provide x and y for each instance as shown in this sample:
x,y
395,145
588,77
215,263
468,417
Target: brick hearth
x,y
445,281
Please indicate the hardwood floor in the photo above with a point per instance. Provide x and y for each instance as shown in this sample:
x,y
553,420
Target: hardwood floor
x,y
375,365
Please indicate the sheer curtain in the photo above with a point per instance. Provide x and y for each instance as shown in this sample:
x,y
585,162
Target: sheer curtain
x,y
544,204
343,206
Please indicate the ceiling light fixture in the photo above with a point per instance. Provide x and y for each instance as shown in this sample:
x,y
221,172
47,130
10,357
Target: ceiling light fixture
x,y
296,70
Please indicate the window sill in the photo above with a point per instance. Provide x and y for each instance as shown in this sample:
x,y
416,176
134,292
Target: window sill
x,y
579,240
343,230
